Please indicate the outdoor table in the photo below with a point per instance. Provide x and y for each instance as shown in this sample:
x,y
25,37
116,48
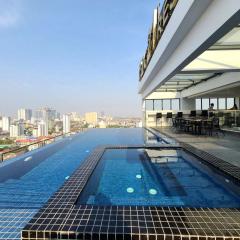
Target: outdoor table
x,y
196,122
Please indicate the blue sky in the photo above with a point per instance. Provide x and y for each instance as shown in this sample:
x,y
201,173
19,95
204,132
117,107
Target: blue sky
x,y
72,55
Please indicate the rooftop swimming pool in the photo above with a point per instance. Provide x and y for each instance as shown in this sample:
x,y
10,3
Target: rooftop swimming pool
x,y
132,185
27,182
158,177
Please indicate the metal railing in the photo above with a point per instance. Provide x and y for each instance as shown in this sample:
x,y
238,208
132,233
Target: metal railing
x,y
162,17
32,146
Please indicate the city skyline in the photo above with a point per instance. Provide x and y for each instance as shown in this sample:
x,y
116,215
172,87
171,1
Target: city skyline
x,y
57,60
15,112
33,124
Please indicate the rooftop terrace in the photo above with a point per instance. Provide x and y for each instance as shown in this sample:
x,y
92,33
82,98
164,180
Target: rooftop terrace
x,y
225,147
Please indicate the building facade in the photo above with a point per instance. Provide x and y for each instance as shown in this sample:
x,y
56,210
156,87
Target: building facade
x,y
24,114
91,118
42,129
66,123
17,130
192,60
6,124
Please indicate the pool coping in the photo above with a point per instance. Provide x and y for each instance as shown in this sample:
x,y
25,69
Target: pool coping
x,y
226,167
60,218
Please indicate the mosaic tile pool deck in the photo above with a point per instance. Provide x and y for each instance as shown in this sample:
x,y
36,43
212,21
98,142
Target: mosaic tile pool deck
x,y
26,186
60,218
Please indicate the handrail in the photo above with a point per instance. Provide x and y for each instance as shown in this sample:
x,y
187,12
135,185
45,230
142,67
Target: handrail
x,y
31,144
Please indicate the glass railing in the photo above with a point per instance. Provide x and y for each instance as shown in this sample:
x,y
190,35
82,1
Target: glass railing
x,y
19,150
229,119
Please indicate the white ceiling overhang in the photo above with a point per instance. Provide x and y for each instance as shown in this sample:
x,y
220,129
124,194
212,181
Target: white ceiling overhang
x,y
223,56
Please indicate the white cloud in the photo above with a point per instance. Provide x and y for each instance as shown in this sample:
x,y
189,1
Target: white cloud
x,y
10,13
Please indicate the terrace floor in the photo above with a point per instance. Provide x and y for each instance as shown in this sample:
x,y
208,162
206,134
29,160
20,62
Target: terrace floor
x,y
225,147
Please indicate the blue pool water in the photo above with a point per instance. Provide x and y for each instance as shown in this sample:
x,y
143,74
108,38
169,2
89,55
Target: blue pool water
x,y
157,177
26,185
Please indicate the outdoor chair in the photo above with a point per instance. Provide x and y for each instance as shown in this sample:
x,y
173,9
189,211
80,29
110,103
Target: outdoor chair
x,y
169,117
179,114
216,126
158,116
208,127
177,124
204,113
213,126
174,122
193,113
188,126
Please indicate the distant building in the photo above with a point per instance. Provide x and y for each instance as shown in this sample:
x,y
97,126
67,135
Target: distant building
x,y
139,124
102,124
57,129
42,129
37,115
35,132
6,124
0,122
44,114
21,128
24,114
91,117
66,123
17,130
14,131
74,116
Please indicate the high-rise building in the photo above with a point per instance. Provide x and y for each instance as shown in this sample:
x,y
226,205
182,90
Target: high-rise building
x,y
14,131
44,114
21,127
52,113
17,130
0,122
91,117
66,123
6,124
37,115
24,114
42,129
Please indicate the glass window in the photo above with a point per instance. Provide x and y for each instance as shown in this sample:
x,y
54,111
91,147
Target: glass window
x,y
166,104
230,102
149,105
158,104
175,104
222,103
214,101
205,103
198,104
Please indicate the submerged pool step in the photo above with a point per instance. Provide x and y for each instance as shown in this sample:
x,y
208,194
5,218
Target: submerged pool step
x,y
22,205
30,192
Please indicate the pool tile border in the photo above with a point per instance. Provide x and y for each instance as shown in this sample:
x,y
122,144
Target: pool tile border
x,y
60,218
218,163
